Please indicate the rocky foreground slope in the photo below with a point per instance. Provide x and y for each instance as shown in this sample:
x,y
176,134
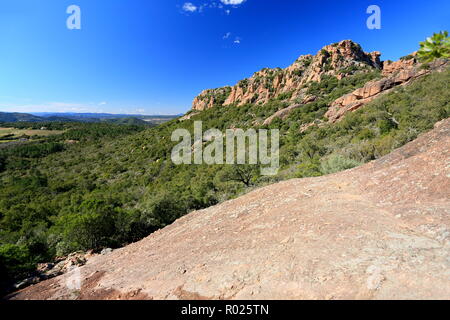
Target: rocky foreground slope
x,y
380,231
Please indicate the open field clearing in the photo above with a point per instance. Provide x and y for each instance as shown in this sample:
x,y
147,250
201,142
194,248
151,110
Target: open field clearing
x,y
13,133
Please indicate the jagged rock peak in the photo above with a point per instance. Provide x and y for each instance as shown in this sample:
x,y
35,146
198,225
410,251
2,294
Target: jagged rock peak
x,y
339,59
352,51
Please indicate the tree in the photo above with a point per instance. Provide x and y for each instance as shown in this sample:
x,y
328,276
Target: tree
x,y
90,225
2,163
437,46
15,262
245,174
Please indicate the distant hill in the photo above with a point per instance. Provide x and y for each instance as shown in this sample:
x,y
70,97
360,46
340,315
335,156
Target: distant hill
x,y
85,117
15,117
129,121
71,115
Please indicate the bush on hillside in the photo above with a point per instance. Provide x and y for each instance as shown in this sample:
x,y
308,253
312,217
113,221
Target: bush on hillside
x,y
336,163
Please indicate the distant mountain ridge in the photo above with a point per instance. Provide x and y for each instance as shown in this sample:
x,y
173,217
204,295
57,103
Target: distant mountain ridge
x,y
98,115
16,116
84,117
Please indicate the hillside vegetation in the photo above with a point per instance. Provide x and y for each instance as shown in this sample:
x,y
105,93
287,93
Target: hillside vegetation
x,y
117,184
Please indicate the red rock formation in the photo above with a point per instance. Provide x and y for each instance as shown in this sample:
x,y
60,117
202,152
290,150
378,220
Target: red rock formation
x,y
397,73
209,97
284,113
338,60
408,62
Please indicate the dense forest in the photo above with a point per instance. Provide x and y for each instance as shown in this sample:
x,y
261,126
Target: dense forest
x,y
98,185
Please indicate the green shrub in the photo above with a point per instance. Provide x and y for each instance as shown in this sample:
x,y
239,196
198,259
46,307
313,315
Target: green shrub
x,y
284,96
308,168
15,261
336,163
408,57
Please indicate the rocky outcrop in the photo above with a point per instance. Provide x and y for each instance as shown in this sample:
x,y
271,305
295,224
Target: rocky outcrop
x,y
405,63
284,113
396,74
208,98
58,267
188,116
291,84
380,231
339,59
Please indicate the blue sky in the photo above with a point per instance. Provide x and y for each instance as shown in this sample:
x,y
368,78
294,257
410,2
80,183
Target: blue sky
x,y
155,56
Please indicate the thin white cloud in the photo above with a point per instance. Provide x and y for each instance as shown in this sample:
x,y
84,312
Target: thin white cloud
x,y
189,7
232,2
224,5
230,39
86,107
51,107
